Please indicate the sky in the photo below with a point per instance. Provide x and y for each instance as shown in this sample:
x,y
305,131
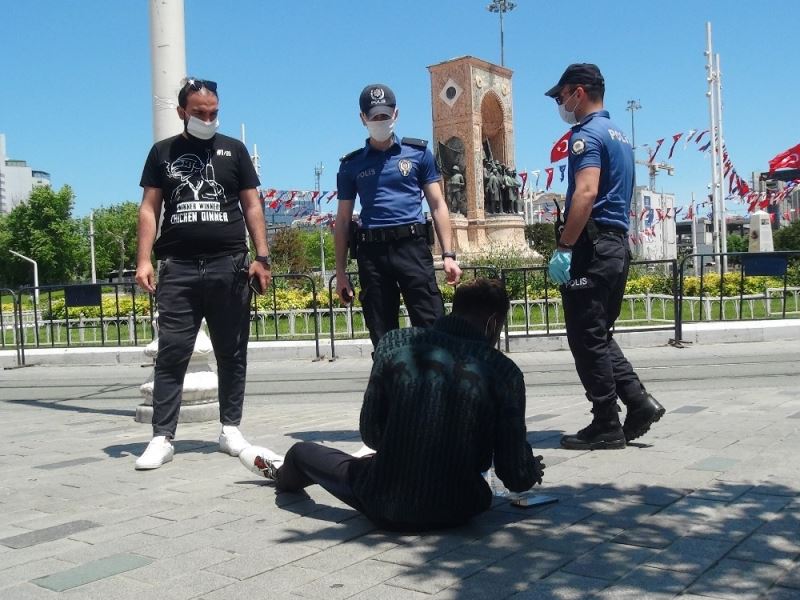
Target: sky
x,y
76,96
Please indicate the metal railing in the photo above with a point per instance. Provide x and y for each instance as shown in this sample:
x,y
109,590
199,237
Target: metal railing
x,y
729,307
118,315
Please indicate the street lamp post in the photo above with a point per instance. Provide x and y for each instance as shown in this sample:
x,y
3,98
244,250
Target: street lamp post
x,y
35,274
318,169
500,7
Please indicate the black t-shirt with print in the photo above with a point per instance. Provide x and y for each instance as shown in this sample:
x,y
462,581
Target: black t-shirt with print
x,y
200,182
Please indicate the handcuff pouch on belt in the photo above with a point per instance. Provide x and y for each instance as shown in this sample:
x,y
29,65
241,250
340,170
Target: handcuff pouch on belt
x,y
591,230
352,240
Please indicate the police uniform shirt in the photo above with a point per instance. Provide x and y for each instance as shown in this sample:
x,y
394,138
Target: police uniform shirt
x,y
597,142
388,183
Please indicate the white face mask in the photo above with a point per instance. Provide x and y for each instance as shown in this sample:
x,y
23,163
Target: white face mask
x,y
202,129
380,131
567,115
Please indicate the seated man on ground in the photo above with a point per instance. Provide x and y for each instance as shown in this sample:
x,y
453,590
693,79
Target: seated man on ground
x,y
441,405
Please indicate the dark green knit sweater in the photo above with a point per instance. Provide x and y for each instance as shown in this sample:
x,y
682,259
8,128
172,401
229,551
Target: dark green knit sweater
x,y
441,403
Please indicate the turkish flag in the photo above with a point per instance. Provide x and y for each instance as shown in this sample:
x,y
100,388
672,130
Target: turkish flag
x,y
786,160
549,172
561,148
690,213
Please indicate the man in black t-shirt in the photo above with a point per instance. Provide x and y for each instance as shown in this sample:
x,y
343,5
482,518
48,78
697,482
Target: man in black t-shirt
x,y
205,184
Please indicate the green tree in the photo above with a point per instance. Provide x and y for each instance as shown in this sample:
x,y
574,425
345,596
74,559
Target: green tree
x,y
114,237
542,238
43,229
737,243
289,252
311,242
787,238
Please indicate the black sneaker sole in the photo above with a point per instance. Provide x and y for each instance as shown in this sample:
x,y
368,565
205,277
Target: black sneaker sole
x,y
601,445
632,435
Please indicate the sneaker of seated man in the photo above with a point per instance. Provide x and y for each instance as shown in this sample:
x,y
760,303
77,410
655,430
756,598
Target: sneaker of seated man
x,y
442,404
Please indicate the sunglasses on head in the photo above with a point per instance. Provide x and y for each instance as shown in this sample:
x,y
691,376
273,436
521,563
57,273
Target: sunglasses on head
x,y
198,84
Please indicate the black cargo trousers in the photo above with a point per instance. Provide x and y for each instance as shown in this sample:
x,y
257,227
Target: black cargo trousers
x,y
592,301
387,269
189,290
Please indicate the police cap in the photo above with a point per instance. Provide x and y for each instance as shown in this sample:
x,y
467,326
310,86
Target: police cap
x,y
377,99
578,74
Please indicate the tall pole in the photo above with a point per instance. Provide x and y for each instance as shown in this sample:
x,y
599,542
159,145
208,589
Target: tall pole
x,y
633,106
500,7
168,62
715,183
694,236
91,246
721,166
317,174
35,274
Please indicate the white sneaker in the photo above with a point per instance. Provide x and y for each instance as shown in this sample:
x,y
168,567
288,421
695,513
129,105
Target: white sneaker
x,y
261,461
231,440
363,451
158,452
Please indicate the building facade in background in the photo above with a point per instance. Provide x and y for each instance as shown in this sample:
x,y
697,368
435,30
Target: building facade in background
x,y
17,179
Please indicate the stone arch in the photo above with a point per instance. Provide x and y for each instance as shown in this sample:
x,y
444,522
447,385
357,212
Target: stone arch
x,y
493,128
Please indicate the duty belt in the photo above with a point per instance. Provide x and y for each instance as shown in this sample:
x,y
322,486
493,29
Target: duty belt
x,y
391,234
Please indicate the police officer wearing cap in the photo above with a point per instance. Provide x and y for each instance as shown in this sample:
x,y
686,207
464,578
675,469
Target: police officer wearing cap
x,y
389,176
592,259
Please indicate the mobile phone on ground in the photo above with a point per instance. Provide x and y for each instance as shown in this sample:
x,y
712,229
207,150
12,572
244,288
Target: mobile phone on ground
x,y
255,285
533,500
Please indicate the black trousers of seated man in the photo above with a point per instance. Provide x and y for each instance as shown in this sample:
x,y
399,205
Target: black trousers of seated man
x,y
387,269
307,463
592,301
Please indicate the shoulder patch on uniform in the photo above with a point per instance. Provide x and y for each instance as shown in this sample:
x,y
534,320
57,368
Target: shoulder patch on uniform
x,y
350,155
578,146
414,142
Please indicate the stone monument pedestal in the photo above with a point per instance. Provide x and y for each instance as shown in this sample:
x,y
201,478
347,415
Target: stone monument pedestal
x,y
200,397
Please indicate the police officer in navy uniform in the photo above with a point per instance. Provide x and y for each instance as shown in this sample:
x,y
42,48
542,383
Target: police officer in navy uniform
x,y
592,259
389,175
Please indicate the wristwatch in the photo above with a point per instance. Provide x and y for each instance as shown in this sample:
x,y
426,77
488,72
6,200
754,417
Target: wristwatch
x,y
448,255
265,260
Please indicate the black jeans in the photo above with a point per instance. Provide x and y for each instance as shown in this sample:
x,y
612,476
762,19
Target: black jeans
x,y
592,301
307,463
188,291
385,269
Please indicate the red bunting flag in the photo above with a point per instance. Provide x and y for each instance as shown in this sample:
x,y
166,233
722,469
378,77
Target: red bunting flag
x,y
549,172
644,212
690,212
660,214
700,136
560,148
658,147
524,176
790,159
330,196
675,139
787,216
744,189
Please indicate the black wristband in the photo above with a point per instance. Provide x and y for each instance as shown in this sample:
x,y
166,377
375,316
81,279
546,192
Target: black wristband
x,y
265,260
448,255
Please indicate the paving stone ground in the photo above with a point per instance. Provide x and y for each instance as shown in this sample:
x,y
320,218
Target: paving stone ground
x,y
707,505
